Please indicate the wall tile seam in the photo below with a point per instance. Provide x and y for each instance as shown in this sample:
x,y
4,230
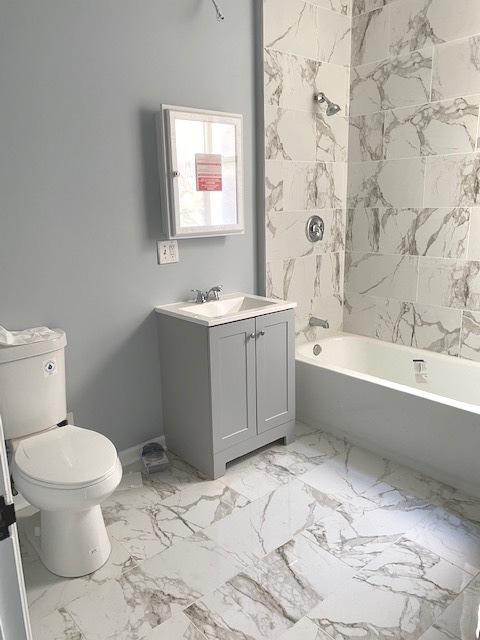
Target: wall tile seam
x,y
310,212
419,257
412,158
288,160
434,307
389,4
382,207
313,112
308,59
428,49
338,13
340,252
463,96
299,55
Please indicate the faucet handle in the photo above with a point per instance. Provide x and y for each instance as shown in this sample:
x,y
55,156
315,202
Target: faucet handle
x,y
200,297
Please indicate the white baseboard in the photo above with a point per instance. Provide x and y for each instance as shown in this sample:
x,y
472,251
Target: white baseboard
x,y
133,454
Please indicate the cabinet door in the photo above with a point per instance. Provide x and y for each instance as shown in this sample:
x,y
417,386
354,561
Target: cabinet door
x,y
275,346
232,364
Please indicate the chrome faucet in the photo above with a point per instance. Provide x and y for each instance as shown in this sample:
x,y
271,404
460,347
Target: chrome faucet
x,y
205,296
214,292
318,322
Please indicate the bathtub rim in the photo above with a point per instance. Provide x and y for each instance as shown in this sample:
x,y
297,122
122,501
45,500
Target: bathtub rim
x,y
384,382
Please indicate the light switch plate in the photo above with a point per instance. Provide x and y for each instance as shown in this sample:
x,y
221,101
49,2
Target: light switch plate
x,y
167,251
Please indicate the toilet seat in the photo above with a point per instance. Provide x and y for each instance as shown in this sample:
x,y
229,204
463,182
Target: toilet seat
x,y
68,457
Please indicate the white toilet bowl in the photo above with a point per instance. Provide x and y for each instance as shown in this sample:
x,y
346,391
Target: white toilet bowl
x,y
66,472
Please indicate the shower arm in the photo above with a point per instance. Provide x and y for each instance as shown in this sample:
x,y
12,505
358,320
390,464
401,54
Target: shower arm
x,y
220,15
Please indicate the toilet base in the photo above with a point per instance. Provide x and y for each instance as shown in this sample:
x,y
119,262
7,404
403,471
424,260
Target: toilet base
x,y
73,543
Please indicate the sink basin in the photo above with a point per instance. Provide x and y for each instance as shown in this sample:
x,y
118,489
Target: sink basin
x,y
230,308
227,307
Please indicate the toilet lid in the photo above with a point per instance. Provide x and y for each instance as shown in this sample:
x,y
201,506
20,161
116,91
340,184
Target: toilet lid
x,y
66,456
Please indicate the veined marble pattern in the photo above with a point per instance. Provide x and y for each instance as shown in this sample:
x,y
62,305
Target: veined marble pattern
x,y
452,181
397,596
303,186
378,275
394,28
456,69
286,237
416,24
471,336
342,544
308,280
460,620
178,627
370,37
291,81
390,183
289,135
141,524
416,325
305,136
341,6
366,137
267,599
432,129
359,312
396,82
364,6
474,240
145,597
308,30
441,233
449,283
58,625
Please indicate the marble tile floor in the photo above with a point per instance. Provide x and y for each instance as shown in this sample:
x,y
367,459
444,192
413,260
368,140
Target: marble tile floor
x,y
319,540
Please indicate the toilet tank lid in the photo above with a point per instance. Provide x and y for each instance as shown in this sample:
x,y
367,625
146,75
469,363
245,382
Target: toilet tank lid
x,y
18,352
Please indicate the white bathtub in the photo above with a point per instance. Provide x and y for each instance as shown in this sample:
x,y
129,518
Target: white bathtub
x,y
366,390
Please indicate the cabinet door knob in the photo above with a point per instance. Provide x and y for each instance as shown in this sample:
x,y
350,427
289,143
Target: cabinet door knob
x,y
261,333
252,336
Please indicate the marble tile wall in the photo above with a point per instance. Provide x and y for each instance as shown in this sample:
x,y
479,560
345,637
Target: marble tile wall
x,y
412,270
307,50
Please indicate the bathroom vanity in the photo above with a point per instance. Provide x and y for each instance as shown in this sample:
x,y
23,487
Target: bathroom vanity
x,y
228,377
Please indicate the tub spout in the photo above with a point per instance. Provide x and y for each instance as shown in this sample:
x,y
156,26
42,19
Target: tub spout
x,y
318,322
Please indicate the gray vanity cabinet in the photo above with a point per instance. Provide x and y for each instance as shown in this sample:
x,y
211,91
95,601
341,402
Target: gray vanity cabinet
x,y
275,351
227,389
233,388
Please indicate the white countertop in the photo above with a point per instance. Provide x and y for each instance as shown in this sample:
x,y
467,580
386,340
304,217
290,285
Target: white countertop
x,y
207,311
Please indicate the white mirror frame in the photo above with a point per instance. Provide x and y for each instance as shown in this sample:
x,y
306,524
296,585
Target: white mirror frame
x,y
168,172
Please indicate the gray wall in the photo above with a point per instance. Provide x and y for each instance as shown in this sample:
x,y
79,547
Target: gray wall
x,y
79,205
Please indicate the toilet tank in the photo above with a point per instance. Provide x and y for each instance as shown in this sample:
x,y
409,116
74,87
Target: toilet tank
x,y
32,386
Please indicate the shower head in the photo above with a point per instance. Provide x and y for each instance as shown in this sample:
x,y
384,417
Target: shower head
x,y
332,108
220,15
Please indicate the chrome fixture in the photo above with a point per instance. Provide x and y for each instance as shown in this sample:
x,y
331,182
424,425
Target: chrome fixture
x,y
315,228
200,296
214,292
317,350
318,322
220,15
204,296
332,108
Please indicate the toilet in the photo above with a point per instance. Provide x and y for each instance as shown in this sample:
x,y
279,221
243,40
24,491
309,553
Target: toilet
x,y
64,471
